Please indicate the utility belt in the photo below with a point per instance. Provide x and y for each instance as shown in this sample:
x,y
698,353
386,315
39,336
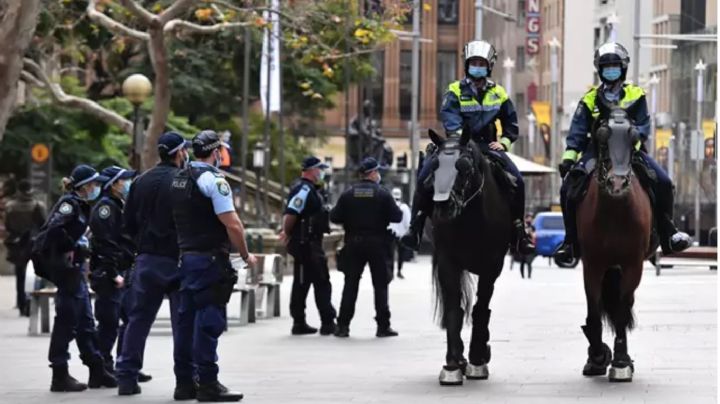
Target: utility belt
x,y
356,238
314,227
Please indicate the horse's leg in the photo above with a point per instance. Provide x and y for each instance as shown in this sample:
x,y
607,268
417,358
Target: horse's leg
x,y
599,354
479,348
451,289
622,368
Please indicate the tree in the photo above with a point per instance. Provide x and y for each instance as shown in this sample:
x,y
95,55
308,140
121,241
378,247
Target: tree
x,y
17,25
314,31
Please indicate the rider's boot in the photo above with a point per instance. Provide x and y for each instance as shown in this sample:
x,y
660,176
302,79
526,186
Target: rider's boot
x,y
671,239
521,241
417,223
567,251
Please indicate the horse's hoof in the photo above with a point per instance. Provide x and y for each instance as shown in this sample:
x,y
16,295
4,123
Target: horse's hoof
x,y
451,377
597,366
620,375
477,372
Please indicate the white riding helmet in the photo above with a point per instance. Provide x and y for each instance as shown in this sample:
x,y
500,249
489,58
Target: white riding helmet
x,y
480,49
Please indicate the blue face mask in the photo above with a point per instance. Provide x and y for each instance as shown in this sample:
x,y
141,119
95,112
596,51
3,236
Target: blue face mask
x,y
125,189
611,73
477,72
94,194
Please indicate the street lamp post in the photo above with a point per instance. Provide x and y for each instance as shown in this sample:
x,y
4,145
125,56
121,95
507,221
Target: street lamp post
x,y
700,67
259,165
136,88
415,91
554,102
653,82
508,65
613,20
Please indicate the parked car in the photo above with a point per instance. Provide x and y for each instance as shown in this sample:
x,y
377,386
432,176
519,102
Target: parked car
x,y
549,234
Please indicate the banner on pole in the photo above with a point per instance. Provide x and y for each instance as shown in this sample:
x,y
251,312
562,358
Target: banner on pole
x,y
271,54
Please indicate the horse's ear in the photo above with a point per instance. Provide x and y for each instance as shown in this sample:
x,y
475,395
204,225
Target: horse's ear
x,y
436,138
465,137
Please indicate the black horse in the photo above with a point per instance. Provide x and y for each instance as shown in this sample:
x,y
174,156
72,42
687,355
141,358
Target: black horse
x,y
471,231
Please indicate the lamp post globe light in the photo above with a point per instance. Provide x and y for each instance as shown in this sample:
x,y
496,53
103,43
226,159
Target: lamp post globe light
x,y
137,88
258,165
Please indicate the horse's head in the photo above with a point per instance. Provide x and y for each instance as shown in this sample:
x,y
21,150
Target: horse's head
x,y
457,174
615,138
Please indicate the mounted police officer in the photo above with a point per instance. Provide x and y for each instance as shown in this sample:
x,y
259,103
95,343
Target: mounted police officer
x,y
304,224
113,253
476,102
59,253
365,210
207,225
611,63
150,223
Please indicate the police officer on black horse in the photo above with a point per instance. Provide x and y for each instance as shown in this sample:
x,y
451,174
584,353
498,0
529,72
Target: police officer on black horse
x,y
150,223
207,224
305,222
365,211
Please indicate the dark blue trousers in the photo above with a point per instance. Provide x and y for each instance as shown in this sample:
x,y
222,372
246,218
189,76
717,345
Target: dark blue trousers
x,y
107,314
199,273
154,278
73,320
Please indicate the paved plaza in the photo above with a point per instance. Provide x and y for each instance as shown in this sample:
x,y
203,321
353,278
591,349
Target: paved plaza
x,y
538,348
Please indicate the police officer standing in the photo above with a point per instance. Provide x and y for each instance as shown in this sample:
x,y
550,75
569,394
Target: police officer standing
x,y
149,221
207,224
111,258
23,218
304,223
365,210
59,253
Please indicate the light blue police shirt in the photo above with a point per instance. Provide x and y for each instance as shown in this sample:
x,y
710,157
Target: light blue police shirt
x,y
214,186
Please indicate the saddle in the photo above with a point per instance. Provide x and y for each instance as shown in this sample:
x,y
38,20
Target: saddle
x,y
499,170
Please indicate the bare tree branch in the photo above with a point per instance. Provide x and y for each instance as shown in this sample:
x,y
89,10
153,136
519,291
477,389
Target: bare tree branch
x,y
138,10
84,104
178,25
27,77
174,11
112,25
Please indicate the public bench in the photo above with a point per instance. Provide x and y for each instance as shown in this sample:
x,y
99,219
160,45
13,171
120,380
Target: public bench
x,y
693,256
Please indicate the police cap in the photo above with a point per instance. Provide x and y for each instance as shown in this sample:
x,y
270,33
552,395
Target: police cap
x,y
171,143
313,162
84,174
368,165
205,142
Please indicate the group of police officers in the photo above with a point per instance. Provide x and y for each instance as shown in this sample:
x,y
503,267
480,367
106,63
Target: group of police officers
x,y
169,234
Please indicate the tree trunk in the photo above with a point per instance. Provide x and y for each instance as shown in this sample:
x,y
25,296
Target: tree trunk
x,y
18,19
161,109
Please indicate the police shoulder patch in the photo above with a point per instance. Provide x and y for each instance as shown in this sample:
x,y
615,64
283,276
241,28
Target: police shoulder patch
x,y
65,208
223,187
297,202
104,212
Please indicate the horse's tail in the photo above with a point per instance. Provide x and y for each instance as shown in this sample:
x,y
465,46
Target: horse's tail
x,y
616,310
467,294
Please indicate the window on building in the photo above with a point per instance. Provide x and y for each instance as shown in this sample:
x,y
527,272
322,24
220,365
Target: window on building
x,y
447,11
406,84
520,59
692,15
374,88
446,73
521,13
520,106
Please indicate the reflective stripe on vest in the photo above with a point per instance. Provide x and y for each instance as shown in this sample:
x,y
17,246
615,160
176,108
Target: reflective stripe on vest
x,y
492,101
632,94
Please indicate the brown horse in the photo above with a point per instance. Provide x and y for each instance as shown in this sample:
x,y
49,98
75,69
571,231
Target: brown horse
x,y
614,229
